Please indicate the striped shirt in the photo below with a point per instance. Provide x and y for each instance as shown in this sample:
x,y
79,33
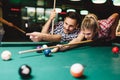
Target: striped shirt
x,y
58,29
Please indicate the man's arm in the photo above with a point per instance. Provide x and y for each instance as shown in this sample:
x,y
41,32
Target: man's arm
x,y
37,36
46,27
51,38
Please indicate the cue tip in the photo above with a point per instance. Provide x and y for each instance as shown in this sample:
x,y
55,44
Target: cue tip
x,y
20,52
31,50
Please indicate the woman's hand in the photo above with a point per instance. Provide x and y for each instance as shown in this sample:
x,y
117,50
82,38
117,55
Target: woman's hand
x,y
60,48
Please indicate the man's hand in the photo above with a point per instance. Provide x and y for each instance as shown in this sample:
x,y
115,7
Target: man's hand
x,y
52,14
35,36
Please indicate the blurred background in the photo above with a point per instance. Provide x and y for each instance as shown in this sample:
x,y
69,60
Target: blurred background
x,y
31,15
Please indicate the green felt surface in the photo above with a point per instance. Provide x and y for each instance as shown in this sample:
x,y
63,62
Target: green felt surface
x,y
99,63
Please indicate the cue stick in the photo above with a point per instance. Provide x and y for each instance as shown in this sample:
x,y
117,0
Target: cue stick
x,y
33,50
116,44
11,25
53,19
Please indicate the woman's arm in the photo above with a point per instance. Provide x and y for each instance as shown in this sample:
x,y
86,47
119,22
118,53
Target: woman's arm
x,y
114,28
63,48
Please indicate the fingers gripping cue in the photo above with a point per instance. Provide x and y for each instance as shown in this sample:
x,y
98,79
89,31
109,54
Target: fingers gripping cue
x,y
33,50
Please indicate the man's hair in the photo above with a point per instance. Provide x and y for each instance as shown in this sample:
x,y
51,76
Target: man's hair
x,y
74,15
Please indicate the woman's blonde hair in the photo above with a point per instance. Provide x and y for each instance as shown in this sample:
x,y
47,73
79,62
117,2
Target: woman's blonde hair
x,y
90,22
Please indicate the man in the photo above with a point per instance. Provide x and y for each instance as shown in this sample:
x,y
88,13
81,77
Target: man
x,y
64,31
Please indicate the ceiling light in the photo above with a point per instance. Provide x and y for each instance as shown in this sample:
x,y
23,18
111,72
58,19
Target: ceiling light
x,y
84,12
116,2
75,0
98,1
73,10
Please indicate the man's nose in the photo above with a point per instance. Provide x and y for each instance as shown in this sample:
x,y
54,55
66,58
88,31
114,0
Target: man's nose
x,y
67,27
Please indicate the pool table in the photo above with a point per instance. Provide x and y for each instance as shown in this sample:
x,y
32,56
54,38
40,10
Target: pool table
x,y
99,62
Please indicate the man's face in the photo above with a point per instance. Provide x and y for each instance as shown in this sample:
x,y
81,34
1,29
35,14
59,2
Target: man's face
x,y
69,25
88,33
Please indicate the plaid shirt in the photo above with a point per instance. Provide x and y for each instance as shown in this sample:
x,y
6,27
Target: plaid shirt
x,y
105,26
58,29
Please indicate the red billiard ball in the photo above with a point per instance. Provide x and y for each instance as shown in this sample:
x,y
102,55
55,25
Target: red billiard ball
x,y
115,49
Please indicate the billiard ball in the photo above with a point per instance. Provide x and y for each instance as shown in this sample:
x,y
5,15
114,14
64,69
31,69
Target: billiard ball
x,y
47,52
115,49
76,70
38,47
6,55
44,46
25,71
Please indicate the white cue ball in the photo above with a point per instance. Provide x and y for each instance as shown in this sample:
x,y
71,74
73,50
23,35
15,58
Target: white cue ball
x,y
44,46
6,55
77,70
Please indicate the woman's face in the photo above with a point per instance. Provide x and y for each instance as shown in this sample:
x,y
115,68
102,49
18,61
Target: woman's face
x,y
88,34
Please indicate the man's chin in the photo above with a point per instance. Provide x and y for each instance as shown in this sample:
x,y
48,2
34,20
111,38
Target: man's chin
x,y
66,32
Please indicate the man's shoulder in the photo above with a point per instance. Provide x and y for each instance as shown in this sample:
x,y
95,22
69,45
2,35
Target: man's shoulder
x,y
60,23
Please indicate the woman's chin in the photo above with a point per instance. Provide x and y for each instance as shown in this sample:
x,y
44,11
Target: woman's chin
x,y
89,39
